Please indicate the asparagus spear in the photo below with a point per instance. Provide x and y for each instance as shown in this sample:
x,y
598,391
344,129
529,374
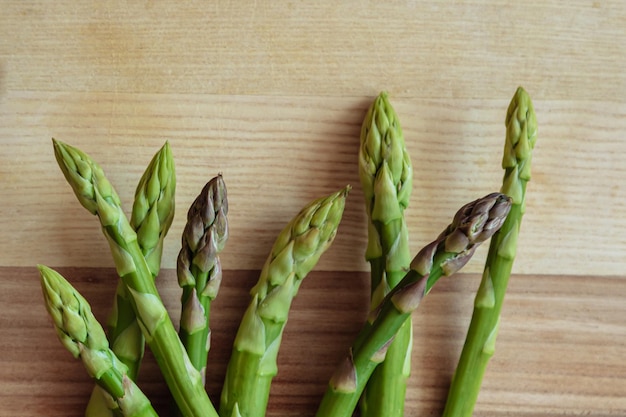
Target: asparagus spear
x,y
295,252
472,224
199,269
97,195
153,206
79,331
386,176
151,218
521,135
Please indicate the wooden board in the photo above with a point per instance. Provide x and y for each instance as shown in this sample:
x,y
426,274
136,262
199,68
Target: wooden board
x,y
559,352
272,94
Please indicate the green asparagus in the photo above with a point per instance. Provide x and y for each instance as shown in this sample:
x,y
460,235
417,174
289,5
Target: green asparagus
x,y
472,224
295,252
153,206
386,176
479,347
79,331
152,215
97,195
199,269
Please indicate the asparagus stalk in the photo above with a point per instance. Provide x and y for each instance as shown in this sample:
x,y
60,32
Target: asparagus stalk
x,y
79,331
295,252
97,195
472,224
386,176
479,346
199,269
151,218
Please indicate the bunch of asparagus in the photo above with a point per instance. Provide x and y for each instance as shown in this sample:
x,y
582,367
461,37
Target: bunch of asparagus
x,y
375,372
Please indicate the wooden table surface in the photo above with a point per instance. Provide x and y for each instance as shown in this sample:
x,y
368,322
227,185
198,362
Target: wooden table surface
x,y
272,95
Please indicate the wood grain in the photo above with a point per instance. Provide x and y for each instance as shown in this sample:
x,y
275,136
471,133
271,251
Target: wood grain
x,y
278,153
272,94
560,349
226,85
467,49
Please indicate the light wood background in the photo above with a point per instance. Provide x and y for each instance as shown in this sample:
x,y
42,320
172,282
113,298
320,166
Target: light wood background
x,y
272,95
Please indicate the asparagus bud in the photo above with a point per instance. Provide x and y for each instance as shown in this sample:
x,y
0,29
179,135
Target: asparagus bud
x,y
79,331
153,206
199,269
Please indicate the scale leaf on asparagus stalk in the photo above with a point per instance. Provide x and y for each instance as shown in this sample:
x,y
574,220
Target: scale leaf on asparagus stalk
x,y
151,218
295,252
473,224
199,269
479,346
79,331
97,195
386,176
